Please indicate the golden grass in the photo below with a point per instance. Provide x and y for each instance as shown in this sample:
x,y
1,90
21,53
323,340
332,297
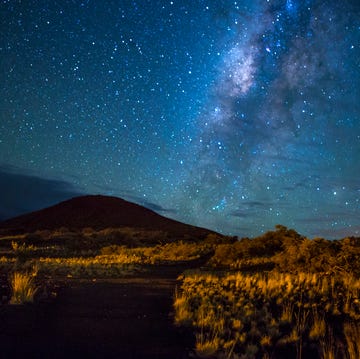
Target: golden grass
x,y
318,328
23,288
352,336
269,310
206,348
170,252
102,266
121,260
328,350
113,261
182,310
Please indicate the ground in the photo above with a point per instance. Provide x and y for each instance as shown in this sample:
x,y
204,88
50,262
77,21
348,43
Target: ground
x,y
103,318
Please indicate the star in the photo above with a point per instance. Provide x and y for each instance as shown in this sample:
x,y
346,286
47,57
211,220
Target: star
x,y
235,116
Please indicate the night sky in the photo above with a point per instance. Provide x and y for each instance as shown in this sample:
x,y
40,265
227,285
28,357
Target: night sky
x,y
230,115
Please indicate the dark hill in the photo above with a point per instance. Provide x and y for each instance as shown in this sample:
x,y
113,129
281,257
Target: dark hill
x,y
97,212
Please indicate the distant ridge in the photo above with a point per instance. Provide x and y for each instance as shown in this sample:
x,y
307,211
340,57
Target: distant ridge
x,y
98,212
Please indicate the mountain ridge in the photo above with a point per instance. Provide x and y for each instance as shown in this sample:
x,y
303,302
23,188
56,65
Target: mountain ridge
x,y
97,212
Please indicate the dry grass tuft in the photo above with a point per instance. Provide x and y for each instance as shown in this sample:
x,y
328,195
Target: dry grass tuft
x,y
23,288
318,329
352,336
206,348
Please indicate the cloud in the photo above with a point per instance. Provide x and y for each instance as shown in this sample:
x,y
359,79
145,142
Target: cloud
x,y
239,213
331,217
249,209
21,192
305,183
150,205
319,220
253,204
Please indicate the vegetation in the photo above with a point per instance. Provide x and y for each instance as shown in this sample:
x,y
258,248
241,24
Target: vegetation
x,y
160,254
23,288
55,258
279,295
272,314
287,251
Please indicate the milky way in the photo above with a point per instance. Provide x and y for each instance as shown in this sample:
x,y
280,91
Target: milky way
x,y
232,115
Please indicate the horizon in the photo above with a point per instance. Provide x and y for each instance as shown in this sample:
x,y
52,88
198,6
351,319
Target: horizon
x,y
229,116
157,211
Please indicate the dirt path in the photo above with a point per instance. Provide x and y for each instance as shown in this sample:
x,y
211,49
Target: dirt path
x,y
117,318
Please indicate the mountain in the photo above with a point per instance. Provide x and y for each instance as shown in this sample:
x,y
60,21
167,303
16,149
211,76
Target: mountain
x,y
97,212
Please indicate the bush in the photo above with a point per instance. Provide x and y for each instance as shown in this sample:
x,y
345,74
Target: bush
x,y
214,238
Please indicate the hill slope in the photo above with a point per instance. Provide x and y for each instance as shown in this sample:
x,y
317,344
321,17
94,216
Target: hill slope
x,y
97,212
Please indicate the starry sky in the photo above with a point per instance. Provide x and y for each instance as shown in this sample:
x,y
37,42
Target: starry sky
x,y
230,115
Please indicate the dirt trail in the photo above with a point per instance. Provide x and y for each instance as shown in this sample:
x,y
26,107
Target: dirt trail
x,y
115,318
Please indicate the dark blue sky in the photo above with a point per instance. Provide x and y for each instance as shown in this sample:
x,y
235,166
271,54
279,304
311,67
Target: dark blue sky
x,y
231,115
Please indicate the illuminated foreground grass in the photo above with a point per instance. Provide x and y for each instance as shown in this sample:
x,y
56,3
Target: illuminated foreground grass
x,y
23,288
259,316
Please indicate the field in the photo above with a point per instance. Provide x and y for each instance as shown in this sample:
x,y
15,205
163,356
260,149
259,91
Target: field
x,y
92,293
272,315
276,296
279,295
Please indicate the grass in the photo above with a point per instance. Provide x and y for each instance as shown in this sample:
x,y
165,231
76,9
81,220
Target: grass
x,y
120,260
99,266
352,336
318,328
113,261
277,295
160,254
260,314
23,288
109,261
206,348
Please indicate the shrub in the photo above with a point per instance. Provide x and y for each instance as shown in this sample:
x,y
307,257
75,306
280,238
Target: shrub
x,y
214,238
